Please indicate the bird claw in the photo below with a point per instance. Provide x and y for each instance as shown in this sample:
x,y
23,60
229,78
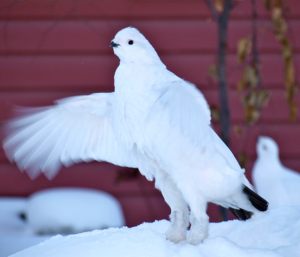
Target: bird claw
x,y
196,237
175,235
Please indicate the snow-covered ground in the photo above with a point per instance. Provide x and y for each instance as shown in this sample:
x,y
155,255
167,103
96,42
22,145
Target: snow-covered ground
x,y
63,210
14,233
72,210
272,234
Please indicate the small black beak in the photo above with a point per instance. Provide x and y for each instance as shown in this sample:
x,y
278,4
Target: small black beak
x,y
113,44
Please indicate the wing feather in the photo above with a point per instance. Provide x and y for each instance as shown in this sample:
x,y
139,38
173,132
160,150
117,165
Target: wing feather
x,y
181,114
76,129
183,108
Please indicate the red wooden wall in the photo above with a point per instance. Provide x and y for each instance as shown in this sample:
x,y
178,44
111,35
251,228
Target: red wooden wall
x,y
52,49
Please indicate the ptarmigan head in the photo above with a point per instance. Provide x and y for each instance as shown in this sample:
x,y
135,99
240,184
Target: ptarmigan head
x,y
132,47
266,147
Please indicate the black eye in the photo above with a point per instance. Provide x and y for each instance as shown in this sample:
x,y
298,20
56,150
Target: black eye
x,y
130,42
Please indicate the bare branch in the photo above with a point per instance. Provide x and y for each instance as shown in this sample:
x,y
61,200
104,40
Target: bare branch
x,y
255,54
223,20
213,11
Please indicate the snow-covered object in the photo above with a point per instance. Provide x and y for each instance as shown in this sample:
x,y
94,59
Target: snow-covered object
x,y
11,209
14,205
154,121
273,234
71,210
277,183
14,233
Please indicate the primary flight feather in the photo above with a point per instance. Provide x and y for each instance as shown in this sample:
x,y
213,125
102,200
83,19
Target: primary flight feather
x,y
154,121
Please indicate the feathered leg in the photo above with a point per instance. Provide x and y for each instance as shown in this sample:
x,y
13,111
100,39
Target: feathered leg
x,y
179,209
199,222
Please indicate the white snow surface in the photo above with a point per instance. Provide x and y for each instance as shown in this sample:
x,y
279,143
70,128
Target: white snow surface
x,y
10,209
72,210
14,233
272,234
62,210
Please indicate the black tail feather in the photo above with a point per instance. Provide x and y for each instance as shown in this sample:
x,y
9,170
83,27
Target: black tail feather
x,y
241,214
257,201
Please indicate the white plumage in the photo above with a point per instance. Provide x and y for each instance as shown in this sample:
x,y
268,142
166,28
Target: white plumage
x,y
76,129
155,121
280,185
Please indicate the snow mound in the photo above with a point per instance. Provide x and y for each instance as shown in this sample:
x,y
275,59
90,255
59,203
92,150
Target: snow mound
x,y
10,210
14,234
272,234
72,210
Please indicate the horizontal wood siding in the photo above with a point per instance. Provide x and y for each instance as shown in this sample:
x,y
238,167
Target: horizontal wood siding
x,y
54,49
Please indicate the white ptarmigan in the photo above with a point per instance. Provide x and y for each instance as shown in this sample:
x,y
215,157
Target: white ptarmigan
x,y
154,121
280,185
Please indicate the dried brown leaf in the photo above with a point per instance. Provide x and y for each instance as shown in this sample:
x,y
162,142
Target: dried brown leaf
x,y
213,71
241,84
293,111
243,49
262,98
276,13
289,74
219,5
251,76
243,159
277,4
238,130
267,4
215,113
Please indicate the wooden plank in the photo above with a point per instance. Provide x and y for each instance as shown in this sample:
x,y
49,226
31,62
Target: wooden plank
x,y
102,176
92,37
266,40
195,68
54,31
138,209
285,134
243,141
35,9
84,36
154,208
292,163
50,72
275,112
78,72
244,138
101,9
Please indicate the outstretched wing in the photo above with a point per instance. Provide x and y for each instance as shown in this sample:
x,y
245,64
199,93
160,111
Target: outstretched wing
x,y
76,129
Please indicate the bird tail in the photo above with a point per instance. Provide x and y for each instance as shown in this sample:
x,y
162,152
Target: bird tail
x,y
256,200
241,214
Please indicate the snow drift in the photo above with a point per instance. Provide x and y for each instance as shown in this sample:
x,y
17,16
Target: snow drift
x,y
72,210
272,234
52,211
